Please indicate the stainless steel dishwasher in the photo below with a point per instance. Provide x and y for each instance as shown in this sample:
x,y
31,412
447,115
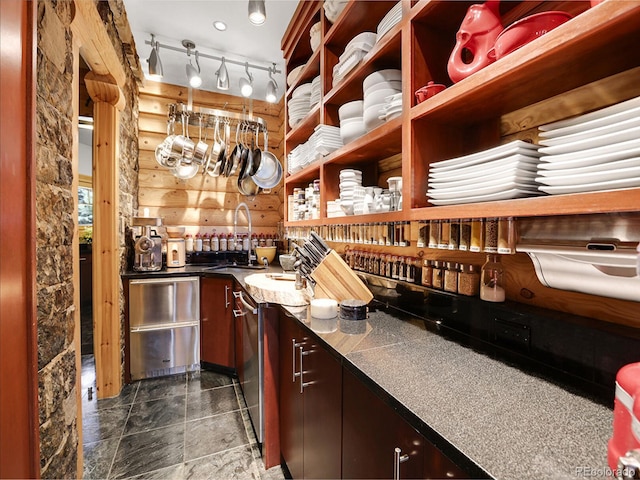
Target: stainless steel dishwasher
x,y
164,326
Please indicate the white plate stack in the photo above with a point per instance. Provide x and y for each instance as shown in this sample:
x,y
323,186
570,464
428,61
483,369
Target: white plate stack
x,y
353,54
592,152
297,158
316,94
392,107
324,140
351,121
333,9
314,34
334,209
391,19
377,87
300,104
350,184
501,173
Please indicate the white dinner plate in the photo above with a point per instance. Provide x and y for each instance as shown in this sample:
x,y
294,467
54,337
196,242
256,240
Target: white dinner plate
x,y
593,187
590,177
472,192
492,197
479,182
511,148
596,123
595,115
593,142
598,167
592,132
523,162
606,153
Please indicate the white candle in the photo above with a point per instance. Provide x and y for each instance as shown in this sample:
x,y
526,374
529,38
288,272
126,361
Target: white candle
x,y
324,308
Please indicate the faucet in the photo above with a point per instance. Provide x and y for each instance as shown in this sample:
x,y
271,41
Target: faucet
x,y
235,228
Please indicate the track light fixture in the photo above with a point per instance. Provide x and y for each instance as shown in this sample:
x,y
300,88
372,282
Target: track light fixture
x,y
193,73
246,83
257,12
155,65
223,77
272,87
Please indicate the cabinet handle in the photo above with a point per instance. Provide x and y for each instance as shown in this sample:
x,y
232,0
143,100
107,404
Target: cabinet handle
x,y
294,345
302,382
226,296
397,460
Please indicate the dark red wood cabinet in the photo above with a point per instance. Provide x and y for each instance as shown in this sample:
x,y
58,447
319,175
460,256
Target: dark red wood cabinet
x,y
217,332
310,404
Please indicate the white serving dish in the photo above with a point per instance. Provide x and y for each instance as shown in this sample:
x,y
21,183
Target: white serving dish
x,y
598,167
351,110
593,187
382,75
592,132
511,148
521,162
491,197
595,115
590,177
593,142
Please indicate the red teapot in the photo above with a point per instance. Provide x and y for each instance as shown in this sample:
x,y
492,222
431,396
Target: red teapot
x,y
476,36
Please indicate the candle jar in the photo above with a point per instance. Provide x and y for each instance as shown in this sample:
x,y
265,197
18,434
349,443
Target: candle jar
x,y
492,280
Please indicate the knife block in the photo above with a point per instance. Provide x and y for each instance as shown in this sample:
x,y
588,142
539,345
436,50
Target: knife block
x,y
334,279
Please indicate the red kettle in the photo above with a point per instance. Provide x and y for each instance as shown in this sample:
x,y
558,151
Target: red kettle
x,y
623,453
476,36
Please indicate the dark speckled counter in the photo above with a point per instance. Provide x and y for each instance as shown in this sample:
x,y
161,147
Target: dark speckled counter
x,y
512,424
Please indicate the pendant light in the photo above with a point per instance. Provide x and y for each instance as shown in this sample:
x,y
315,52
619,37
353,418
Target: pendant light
x,y
155,65
193,73
246,83
272,88
223,77
257,12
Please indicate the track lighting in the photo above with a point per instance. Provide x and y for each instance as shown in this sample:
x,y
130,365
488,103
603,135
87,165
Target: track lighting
x,y
246,83
257,12
155,65
272,87
193,73
223,77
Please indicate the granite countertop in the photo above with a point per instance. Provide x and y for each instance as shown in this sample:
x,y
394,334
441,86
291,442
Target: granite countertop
x,y
512,424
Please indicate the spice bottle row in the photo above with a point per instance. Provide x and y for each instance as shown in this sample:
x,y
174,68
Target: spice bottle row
x,y
490,235
226,242
442,275
396,234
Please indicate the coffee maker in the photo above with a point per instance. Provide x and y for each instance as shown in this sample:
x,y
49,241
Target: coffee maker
x,y
148,246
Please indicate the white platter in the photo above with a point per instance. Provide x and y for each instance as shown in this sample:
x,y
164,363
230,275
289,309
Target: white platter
x,y
472,192
479,182
522,162
588,117
593,142
598,167
593,187
592,132
590,177
492,197
517,146
602,154
598,122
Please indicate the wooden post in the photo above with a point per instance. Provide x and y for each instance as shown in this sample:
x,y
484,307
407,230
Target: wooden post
x,y
107,97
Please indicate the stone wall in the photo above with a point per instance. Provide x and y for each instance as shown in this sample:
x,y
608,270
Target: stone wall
x,y
58,410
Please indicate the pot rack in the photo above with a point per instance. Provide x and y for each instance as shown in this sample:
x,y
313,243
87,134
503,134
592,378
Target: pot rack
x,y
207,117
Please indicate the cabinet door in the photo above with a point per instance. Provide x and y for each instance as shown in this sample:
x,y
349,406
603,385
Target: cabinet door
x,y
322,387
217,345
438,465
291,404
371,433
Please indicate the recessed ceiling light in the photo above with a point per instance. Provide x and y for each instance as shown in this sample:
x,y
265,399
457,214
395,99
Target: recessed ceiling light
x,y
220,25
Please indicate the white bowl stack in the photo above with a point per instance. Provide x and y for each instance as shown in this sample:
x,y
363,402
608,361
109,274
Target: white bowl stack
x,y
353,54
377,87
314,34
333,9
596,151
500,173
350,180
316,93
392,18
299,104
351,122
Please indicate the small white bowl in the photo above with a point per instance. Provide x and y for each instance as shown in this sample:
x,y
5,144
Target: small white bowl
x,y
392,84
382,75
377,97
351,109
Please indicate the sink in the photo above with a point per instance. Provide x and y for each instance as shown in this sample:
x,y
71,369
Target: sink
x,y
276,288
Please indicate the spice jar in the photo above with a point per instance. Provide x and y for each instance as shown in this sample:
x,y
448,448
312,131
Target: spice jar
x,y
469,280
506,235
491,280
206,243
437,278
454,235
451,277
198,243
434,233
423,234
445,229
477,235
491,235
465,235
427,273
188,243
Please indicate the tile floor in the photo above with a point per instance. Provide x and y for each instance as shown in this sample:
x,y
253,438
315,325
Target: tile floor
x,y
186,426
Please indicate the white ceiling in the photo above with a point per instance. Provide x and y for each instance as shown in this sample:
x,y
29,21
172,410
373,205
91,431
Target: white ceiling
x,y
172,21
